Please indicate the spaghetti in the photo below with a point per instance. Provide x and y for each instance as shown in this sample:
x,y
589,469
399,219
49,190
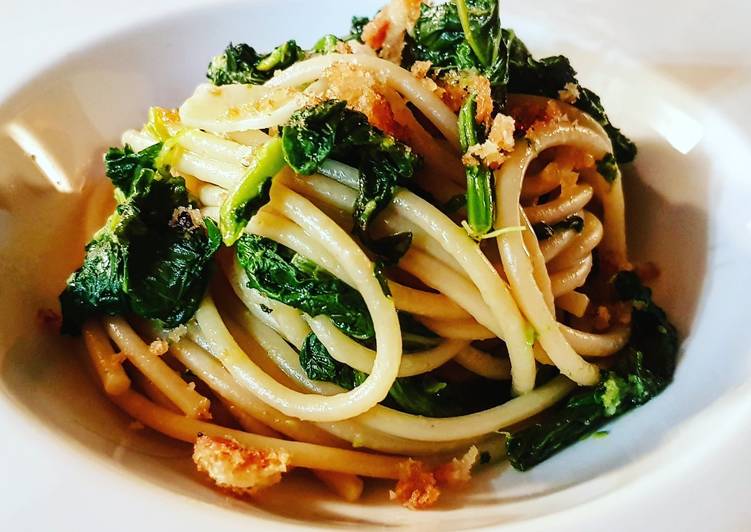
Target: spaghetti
x,y
358,313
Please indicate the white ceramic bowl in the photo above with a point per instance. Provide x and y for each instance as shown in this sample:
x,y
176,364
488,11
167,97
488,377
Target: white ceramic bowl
x,y
688,195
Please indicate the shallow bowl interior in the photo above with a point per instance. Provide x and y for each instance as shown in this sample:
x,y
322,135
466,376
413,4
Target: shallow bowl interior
x,y
680,195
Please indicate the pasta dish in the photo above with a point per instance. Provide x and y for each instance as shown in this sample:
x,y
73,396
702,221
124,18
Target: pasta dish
x,y
398,254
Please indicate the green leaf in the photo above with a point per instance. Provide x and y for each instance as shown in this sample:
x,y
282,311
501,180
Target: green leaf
x,y
124,166
608,168
644,368
355,32
319,365
280,274
150,258
482,28
240,63
251,193
330,130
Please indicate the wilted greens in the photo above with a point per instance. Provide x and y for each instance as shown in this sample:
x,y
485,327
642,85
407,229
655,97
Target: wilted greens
x,y
152,258
480,205
281,274
644,369
252,192
240,63
331,130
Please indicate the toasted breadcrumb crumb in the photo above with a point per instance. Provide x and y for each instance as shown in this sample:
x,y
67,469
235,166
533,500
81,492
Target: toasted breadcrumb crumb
x,y
457,86
385,33
363,91
569,93
176,334
242,470
458,472
494,151
158,347
417,488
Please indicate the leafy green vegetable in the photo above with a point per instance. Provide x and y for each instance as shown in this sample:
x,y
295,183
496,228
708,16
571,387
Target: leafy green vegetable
x,y
326,44
480,204
547,76
150,258
608,168
330,130
461,35
544,231
240,63
482,28
645,368
281,274
252,192
124,166
319,365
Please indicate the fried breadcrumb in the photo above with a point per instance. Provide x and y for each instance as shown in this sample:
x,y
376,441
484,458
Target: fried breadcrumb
x,y
458,472
242,470
417,488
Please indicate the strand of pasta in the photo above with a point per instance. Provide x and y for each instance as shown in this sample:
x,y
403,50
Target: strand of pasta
x,y
581,246
345,350
290,372
463,329
456,287
494,291
424,303
107,364
155,369
302,454
565,281
290,402
516,262
483,364
574,199
393,75
537,259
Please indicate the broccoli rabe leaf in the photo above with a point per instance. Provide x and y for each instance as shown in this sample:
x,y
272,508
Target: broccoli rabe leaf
x,y
461,35
251,192
240,63
644,369
124,166
150,258
331,130
482,28
608,168
280,274
319,365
